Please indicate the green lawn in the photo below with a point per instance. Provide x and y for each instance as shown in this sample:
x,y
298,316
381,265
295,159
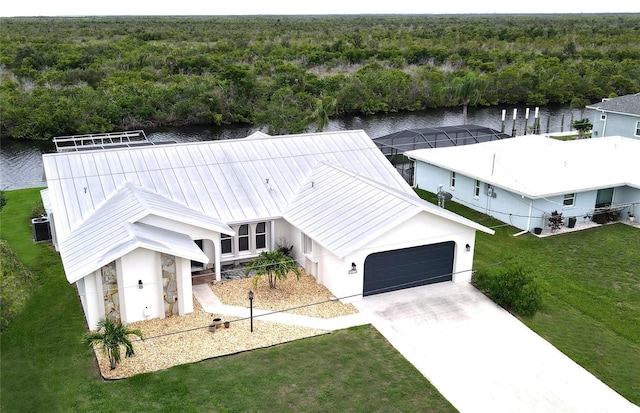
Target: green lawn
x,y
591,311
46,368
591,299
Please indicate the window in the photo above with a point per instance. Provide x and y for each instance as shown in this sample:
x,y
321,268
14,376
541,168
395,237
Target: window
x,y
476,189
637,128
243,238
569,200
261,235
452,182
226,243
307,244
603,117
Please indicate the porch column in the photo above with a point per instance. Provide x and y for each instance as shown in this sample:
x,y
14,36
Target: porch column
x,y
217,255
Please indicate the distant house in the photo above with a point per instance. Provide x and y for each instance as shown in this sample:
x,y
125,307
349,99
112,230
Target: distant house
x,y
617,116
522,180
134,222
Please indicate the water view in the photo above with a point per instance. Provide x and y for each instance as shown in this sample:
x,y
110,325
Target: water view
x,y
21,161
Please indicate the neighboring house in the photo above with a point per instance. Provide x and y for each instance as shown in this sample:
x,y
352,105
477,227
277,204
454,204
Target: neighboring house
x,y
617,117
522,180
132,224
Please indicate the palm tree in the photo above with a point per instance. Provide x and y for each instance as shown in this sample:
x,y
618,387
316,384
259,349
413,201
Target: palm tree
x,y
467,90
275,265
110,336
323,107
582,126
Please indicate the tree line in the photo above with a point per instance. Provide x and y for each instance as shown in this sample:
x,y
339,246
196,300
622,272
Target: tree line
x,y
61,76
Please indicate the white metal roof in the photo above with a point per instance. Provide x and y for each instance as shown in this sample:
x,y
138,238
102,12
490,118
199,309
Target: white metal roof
x,y
108,233
233,180
344,217
536,166
96,195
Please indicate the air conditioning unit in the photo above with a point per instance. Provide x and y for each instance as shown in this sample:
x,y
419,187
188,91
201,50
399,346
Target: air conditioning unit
x,y
490,191
41,229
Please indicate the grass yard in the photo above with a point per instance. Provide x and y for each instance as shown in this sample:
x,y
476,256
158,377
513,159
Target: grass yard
x,y
591,299
45,368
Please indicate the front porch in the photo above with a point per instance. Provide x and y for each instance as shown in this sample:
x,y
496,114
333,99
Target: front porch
x,y
227,272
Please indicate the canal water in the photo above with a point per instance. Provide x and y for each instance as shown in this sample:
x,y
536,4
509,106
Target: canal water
x,y
21,161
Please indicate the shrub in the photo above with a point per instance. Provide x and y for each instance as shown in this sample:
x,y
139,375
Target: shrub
x,y
556,221
3,200
512,287
15,285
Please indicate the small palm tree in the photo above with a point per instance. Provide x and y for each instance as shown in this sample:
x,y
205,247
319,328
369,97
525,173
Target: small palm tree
x,y
275,265
110,336
582,126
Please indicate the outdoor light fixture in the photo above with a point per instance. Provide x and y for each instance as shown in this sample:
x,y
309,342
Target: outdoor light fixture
x,y
353,269
140,286
468,247
251,308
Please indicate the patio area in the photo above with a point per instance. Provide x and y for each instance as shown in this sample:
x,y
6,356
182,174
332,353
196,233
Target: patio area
x,y
547,232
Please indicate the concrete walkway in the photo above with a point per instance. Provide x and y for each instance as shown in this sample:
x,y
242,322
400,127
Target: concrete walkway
x,y
480,357
211,304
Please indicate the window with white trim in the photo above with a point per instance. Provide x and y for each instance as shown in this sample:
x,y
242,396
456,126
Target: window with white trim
x,y
569,200
476,189
307,245
603,117
452,180
261,235
243,238
226,244
637,128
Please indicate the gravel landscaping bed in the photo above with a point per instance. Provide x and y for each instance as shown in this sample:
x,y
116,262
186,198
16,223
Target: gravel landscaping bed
x,y
312,298
179,340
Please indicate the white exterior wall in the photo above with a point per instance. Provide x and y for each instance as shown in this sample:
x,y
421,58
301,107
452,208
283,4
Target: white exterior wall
x,y
145,265
140,264
90,291
422,229
185,287
333,273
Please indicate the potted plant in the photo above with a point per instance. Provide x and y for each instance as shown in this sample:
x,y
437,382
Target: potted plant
x,y
556,221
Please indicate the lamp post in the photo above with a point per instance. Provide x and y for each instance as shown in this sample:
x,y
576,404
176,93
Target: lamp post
x,y
251,308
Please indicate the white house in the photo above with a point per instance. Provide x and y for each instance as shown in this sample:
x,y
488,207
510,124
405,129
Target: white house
x,y
619,116
132,223
522,180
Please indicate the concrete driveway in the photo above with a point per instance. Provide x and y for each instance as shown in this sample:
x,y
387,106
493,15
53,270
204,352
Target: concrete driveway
x,y
481,358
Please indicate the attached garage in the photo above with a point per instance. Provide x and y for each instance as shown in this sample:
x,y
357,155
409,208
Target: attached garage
x,y
408,267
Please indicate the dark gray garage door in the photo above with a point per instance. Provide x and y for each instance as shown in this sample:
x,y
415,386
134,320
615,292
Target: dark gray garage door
x,y
408,267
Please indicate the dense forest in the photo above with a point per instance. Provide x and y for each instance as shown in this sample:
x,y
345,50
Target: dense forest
x,y
62,76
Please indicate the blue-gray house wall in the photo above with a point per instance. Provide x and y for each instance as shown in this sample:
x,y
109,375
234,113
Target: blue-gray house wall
x,y
511,208
615,124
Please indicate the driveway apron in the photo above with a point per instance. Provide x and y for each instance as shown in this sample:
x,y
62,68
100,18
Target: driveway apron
x,y
480,357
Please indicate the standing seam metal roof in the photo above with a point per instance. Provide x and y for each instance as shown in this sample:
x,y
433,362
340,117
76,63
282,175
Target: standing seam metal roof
x,y
96,195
